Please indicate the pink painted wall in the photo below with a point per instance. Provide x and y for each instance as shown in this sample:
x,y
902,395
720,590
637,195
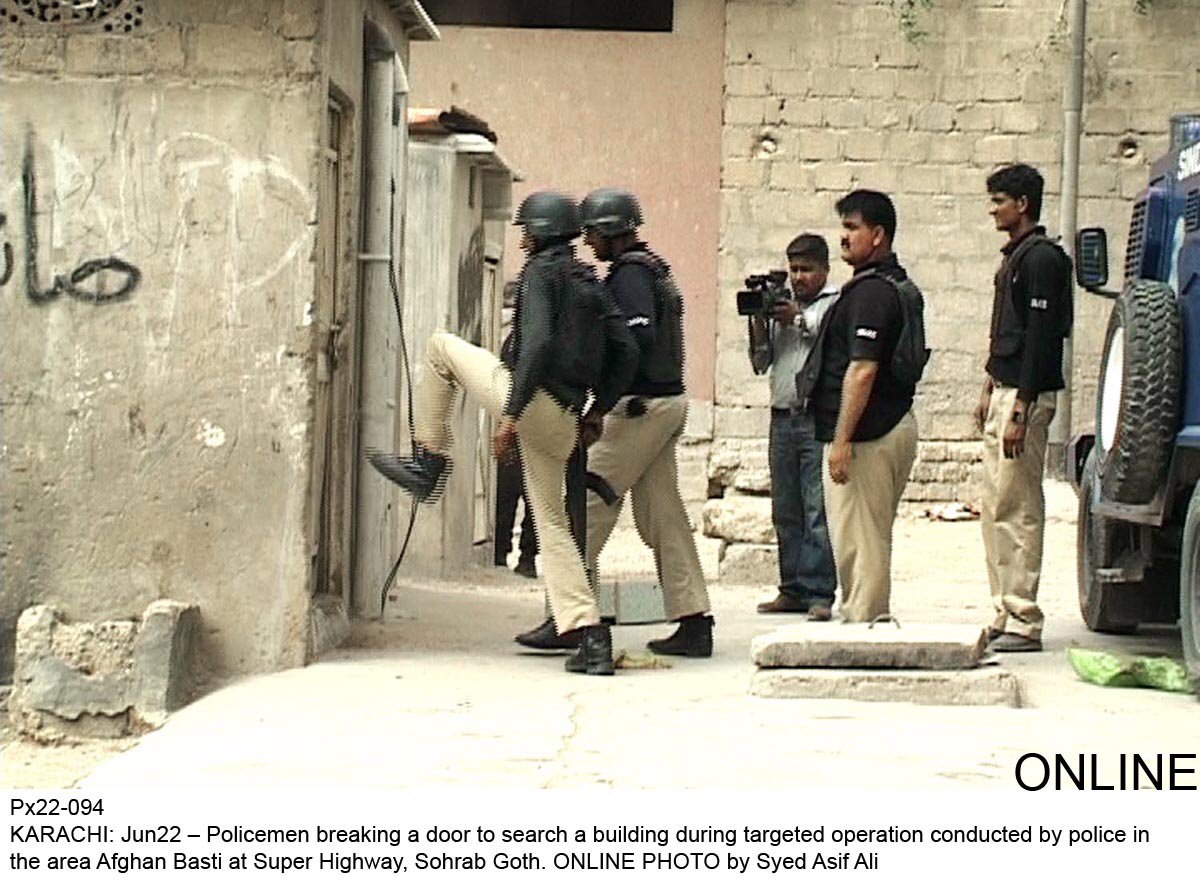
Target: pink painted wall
x,y
576,110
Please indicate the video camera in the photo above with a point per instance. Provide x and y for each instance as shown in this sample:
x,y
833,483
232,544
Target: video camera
x,y
763,293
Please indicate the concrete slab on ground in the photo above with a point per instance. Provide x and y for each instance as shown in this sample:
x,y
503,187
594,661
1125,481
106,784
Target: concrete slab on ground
x,y
983,687
883,645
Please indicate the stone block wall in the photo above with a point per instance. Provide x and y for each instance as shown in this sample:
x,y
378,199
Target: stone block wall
x,y
823,97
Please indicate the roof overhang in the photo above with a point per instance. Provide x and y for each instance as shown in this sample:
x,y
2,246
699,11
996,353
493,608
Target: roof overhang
x,y
417,23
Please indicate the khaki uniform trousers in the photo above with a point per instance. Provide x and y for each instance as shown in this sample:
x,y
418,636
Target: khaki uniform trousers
x,y
547,433
1013,512
636,454
861,512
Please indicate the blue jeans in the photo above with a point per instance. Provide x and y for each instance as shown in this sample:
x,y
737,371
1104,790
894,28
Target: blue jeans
x,y
806,569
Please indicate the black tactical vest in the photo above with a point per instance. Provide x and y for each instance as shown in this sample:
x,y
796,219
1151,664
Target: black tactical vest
x,y
664,363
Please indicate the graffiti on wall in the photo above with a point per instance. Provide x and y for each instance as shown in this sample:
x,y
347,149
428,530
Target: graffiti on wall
x,y
6,254
88,280
252,216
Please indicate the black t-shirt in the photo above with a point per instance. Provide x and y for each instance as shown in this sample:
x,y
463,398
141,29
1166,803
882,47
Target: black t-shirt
x,y
864,325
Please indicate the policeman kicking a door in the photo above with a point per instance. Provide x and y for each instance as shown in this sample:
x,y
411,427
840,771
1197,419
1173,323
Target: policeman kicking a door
x,y
538,401
633,442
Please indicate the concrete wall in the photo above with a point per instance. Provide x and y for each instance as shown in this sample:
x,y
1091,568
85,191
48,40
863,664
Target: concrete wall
x,y
823,97
159,445
581,109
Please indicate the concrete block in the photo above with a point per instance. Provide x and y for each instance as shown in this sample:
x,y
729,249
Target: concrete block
x,y
93,53
742,421
699,425
106,678
300,19
739,519
632,602
750,564
753,481
884,645
820,144
227,49
23,51
983,687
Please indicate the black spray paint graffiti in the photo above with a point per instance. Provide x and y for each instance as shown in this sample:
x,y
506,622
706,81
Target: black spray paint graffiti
x,y
129,276
6,255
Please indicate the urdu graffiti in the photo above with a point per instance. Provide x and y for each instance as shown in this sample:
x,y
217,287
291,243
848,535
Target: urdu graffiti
x,y
88,280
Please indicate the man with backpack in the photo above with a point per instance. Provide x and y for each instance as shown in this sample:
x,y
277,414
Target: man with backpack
x,y
1031,315
871,354
570,340
633,443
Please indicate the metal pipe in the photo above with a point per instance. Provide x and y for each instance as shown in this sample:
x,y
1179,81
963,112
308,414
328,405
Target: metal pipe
x,y
1068,217
376,516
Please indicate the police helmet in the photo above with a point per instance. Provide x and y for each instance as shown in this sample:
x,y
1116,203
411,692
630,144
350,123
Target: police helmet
x,y
611,212
547,214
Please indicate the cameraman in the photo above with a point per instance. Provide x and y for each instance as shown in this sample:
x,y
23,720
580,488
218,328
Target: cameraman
x,y
783,342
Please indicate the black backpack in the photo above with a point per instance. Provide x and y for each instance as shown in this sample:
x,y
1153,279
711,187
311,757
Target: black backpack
x,y
911,354
580,327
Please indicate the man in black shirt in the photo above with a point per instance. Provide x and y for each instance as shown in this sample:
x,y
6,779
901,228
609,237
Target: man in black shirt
x,y
633,442
863,413
536,400
1031,314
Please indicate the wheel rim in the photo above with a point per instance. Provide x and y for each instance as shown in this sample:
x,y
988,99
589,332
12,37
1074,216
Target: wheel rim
x,y
1110,392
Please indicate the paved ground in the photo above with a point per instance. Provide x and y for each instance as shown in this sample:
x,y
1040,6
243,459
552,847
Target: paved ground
x,y
439,695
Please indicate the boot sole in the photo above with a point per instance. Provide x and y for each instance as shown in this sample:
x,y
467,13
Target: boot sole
x,y
690,653
593,671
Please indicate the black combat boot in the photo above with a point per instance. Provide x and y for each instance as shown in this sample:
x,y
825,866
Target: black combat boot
x,y
547,638
693,639
423,475
594,656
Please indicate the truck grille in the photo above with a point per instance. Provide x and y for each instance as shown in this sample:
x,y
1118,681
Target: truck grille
x,y
1191,211
1136,242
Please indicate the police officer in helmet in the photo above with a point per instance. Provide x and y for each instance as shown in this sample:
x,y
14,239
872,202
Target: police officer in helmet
x,y
632,443
536,401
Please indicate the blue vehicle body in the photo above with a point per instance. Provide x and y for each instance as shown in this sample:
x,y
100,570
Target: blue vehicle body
x,y
1141,562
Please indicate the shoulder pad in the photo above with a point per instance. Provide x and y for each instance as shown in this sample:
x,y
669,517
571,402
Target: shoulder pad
x,y
641,258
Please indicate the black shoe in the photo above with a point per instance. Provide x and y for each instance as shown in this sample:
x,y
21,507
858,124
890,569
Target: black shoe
x,y
594,656
693,639
500,559
423,475
546,638
526,567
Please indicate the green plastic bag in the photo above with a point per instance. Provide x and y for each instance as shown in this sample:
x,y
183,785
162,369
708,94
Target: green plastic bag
x,y
1116,671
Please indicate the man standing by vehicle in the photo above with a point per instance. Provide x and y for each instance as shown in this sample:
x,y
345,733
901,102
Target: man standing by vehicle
x,y
1031,315
863,405
807,579
539,400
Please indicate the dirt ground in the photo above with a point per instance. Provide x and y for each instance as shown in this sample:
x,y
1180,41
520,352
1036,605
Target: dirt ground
x,y
939,576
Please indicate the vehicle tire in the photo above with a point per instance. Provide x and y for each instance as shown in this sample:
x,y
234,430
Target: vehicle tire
x,y
1189,589
1106,606
1137,399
